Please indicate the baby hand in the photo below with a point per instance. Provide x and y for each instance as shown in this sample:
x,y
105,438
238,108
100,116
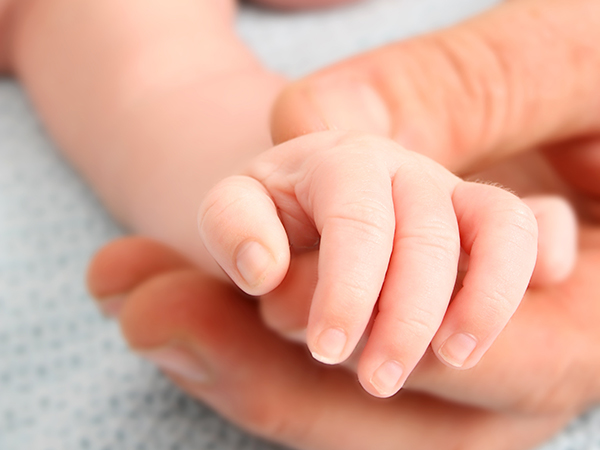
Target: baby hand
x,y
390,224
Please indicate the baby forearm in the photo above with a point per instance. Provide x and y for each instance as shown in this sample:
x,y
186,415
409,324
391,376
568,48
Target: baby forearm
x,y
152,104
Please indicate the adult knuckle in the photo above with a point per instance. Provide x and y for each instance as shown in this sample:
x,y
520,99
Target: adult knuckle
x,y
265,418
485,87
274,420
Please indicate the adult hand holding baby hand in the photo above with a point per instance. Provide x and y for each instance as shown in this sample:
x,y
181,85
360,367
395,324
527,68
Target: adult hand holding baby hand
x,y
213,344
391,224
520,83
466,96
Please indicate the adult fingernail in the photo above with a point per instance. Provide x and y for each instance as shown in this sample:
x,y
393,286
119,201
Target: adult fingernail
x,y
253,261
180,361
350,105
330,346
386,379
111,306
457,349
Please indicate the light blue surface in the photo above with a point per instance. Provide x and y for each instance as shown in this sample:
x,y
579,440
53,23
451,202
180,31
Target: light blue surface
x,y
67,382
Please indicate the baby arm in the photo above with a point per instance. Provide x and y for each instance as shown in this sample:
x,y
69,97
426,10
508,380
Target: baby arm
x,y
142,97
391,225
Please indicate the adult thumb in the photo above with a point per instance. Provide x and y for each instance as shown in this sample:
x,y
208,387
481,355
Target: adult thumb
x,y
521,75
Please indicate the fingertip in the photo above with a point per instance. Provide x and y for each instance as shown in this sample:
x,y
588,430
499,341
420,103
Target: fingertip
x,y
329,346
458,351
387,379
557,241
124,263
239,224
167,306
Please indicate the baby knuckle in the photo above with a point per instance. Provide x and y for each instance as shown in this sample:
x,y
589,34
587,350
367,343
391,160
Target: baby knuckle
x,y
227,198
521,219
353,289
421,322
370,218
497,304
440,242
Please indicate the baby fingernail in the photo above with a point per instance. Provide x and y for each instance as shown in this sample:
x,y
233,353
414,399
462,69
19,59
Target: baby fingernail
x,y
330,346
386,379
179,361
253,261
457,349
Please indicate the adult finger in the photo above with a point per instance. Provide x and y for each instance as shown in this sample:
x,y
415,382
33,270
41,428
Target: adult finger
x,y
120,266
557,239
578,162
532,380
213,344
520,75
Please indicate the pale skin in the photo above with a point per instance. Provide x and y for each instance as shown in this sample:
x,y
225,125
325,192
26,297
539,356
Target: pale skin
x,y
113,112
145,112
391,225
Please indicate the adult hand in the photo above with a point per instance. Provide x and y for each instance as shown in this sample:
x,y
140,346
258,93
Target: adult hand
x,y
522,76
211,341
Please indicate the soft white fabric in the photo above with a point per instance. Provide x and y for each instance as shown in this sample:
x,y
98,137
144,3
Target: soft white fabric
x,y
67,382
